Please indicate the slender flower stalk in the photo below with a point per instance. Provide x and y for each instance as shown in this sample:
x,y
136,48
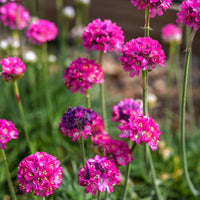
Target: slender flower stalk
x,y
87,95
43,198
98,195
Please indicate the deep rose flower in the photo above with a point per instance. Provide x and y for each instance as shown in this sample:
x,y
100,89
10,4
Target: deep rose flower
x,y
77,121
142,53
14,16
189,14
7,132
99,174
13,68
39,173
42,31
82,74
103,36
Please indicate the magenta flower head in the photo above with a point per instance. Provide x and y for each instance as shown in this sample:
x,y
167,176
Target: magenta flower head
x,y
77,122
103,36
7,132
82,74
142,53
39,173
42,31
99,174
189,14
13,68
171,33
14,16
141,129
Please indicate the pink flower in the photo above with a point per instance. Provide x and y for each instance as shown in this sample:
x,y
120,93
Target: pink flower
x,y
42,31
103,36
98,126
9,14
13,68
39,173
7,132
171,33
82,74
189,14
99,174
142,53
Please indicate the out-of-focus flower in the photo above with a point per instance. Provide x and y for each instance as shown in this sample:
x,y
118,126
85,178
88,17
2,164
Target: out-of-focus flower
x,y
3,1
7,132
42,31
77,122
82,74
14,16
52,58
30,57
99,174
83,2
165,151
142,53
4,44
77,32
39,173
13,68
69,12
103,36
152,100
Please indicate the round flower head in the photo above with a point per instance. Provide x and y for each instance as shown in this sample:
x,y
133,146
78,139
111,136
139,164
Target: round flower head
x,y
189,14
171,33
13,68
99,174
142,53
42,31
39,173
82,74
77,121
14,16
103,36
7,132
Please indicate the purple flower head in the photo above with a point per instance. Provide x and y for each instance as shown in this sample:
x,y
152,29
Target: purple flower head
x,y
7,132
77,121
82,74
142,53
99,174
103,36
13,68
39,173
14,16
42,31
189,14
141,129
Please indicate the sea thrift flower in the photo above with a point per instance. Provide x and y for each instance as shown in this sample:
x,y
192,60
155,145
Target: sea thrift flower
x,y
103,36
142,53
99,174
141,129
7,132
30,56
171,33
69,12
14,16
98,126
119,151
13,68
189,14
39,173
77,121
42,31
82,74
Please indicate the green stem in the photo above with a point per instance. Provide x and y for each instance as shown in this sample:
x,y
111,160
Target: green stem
x,y
11,188
147,21
17,95
106,195
87,95
98,195
82,150
183,106
43,198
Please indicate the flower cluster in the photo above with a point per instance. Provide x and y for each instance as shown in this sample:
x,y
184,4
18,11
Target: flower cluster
x,y
171,33
13,68
189,14
82,74
14,16
99,174
140,129
103,36
142,53
7,132
77,121
39,173
42,31
156,6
